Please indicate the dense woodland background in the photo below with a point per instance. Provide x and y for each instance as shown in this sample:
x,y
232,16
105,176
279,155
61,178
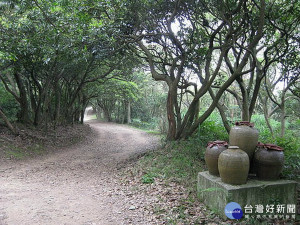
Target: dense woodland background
x,y
189,69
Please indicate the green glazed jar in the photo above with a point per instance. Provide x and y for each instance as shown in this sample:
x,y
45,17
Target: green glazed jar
x,y
234,166
213,150
268,162
244,135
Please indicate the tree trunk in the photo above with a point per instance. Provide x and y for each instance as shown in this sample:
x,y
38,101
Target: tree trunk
x,y
255,93
232,109
57,102
221,111
191,115
9,125
107,115
266,114
124,112
37,114
282,120
23,115
118,112
82,116
245,100
77,114
171,115
223,117
245,110
128,113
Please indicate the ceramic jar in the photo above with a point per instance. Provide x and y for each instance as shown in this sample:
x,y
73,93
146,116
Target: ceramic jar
x,y
233,166
252,163
212,153
245,136
268,162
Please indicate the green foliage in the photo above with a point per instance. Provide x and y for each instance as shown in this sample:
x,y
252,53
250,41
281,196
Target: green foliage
x,y
212,129
260,124
113,96
290,143
148,178
151,125
150,107
141,124
291,146
177,162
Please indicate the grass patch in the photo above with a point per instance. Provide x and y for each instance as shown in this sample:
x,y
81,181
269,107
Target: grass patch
x,y
179,162
17,152
93,117
148,178
147,130
155,132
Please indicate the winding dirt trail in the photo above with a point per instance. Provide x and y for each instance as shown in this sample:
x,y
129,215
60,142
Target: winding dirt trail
x,y
76,185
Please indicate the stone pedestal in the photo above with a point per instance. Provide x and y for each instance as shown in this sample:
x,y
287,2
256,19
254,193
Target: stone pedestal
x,y
216,194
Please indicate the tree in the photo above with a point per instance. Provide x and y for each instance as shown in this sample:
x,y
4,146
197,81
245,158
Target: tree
x,y
206,34
277,44
47,58
114,98
8,109
280,100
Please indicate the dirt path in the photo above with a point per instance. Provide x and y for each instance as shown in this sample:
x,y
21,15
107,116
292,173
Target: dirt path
x,y
76,185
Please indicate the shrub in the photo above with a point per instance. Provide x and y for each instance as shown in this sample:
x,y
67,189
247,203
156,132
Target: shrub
x,y
290,143
291,146
212,129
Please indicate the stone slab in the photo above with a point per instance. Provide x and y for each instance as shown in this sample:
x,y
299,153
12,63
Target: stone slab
x,y
216,194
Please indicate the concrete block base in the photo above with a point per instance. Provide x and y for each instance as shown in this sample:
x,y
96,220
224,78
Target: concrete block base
x,y
216,194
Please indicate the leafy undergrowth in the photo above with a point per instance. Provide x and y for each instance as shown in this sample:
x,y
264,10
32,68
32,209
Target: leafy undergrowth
x,y
169,176
33,141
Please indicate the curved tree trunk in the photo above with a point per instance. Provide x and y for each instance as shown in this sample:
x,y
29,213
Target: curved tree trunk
x,y
6,121
266,113
222,112
171,115
23,115
282,120
223,117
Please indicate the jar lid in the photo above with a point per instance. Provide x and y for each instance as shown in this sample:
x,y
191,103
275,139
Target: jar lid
x,y
217,143
259,144
273,147
244,123
233,147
